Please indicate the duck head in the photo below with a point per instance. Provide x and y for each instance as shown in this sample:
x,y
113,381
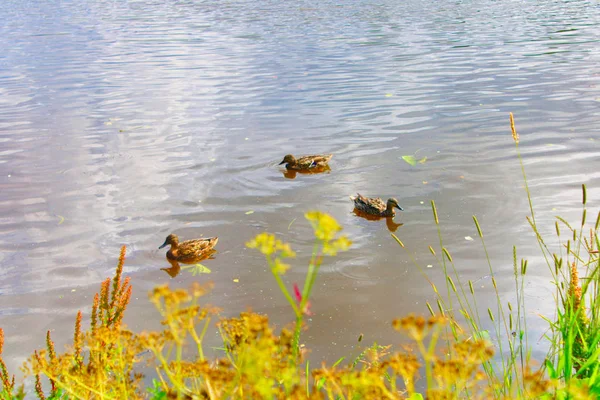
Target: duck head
x,y
172,239
392,202
288,159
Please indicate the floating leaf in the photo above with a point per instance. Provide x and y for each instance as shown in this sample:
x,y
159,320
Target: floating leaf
x,y
198,269
410,159
422,160
469,238
236,280
388,95
429,266
290,225
61,219
249,212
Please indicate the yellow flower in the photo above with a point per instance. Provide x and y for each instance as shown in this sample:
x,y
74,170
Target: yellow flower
x,y
268,244
341,244
279,267
325,225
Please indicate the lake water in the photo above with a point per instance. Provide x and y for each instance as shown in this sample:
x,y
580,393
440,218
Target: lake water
x,y
124,121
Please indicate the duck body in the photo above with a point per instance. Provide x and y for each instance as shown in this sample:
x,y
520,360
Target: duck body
x,y
376,206
306,163
190,250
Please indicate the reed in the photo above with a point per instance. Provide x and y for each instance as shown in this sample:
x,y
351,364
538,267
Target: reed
x,y
573,337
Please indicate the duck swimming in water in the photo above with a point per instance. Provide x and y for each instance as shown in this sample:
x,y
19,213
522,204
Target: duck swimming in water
x,y
306,162
376,206
190,250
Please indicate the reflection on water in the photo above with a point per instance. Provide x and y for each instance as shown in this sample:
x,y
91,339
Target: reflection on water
x,y
175,267
291,173
121,122
389,221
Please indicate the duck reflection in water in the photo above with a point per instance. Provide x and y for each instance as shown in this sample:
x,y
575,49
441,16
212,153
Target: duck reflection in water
x,y
389,221
175,268
292,173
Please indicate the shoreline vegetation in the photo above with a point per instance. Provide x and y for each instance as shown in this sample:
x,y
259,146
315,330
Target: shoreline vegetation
x,y
453,356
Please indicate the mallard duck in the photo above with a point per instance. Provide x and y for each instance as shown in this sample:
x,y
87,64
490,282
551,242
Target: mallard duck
x,y
306,162
190,250
376,206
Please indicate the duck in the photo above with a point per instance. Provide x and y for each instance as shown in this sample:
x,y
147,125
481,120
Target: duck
x,y
376,206
306,162
190,250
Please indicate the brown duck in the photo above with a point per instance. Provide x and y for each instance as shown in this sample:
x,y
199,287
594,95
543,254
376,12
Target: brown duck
x,y
306,162
376,206
190,250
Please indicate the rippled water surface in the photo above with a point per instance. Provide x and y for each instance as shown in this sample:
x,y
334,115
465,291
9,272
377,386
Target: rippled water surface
x,y
124,121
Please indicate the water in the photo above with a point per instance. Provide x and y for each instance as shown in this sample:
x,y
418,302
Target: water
x,y
121,122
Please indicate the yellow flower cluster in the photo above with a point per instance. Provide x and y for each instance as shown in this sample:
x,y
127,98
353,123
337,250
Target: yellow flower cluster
x,y
268,244
326,228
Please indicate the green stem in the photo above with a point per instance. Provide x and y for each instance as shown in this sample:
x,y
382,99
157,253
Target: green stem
x,y
282,287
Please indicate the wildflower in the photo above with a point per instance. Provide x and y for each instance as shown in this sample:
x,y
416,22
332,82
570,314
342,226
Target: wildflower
x,y
535,383
326,227
418,328
474,351
268,244
298,296
406,365
515,135
341,244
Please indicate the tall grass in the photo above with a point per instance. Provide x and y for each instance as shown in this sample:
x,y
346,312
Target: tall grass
x,y
457,355
573,336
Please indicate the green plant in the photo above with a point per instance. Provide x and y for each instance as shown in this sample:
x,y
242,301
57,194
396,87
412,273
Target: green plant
x,y
326,242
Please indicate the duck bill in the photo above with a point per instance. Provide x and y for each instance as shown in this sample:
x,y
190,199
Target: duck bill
x,y
163,245
399,208
283,162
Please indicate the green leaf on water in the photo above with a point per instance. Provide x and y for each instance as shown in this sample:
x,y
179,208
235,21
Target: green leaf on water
x,y
422,160
290,225
410,159
198,269
249,212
